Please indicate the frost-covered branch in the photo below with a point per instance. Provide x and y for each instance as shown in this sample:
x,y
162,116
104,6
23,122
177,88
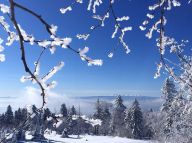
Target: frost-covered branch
x,y
109,12
55,40
180,72
51,43
183,74
22,48
69,8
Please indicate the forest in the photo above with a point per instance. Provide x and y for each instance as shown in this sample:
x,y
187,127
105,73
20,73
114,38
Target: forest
x,y
170,122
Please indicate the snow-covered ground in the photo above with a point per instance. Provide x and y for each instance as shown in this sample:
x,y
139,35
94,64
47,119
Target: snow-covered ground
x,y
93,139
55,138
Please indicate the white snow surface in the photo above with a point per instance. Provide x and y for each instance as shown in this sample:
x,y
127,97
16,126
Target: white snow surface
x,y
92,139
52,137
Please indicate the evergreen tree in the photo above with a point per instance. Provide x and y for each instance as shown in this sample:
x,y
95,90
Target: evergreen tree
x,y
106,113
99,111
9,118
18,117
73,111
23,114
134,120
169,94
177,119
102,113
117,124
148,118
34,109
63,110
105,125
2,120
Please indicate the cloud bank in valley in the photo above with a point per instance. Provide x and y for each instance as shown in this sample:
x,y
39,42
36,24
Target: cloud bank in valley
x,y
31,95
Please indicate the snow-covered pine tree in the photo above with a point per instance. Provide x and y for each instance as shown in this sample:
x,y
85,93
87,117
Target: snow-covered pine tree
x,y
18,117
98,115
169,94
118,116
9,118
73,111
106,112
70,123
99,111
2,120
63,110
102,113
148,118
23,114
34,109
180,129
134,121
105,125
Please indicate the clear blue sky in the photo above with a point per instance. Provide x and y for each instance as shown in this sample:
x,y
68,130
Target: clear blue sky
x,y
123,72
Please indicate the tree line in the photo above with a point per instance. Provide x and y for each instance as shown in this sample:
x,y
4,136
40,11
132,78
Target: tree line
x,y
118,121
171,123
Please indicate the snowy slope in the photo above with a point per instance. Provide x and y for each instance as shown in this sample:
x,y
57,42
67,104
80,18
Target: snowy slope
x,y
93,139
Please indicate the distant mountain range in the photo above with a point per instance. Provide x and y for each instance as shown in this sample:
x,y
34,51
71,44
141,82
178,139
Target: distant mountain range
x,y
87,103
146,102
125,98
6,97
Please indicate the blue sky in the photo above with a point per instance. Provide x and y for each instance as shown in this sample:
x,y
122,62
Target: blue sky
x,y
132,73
